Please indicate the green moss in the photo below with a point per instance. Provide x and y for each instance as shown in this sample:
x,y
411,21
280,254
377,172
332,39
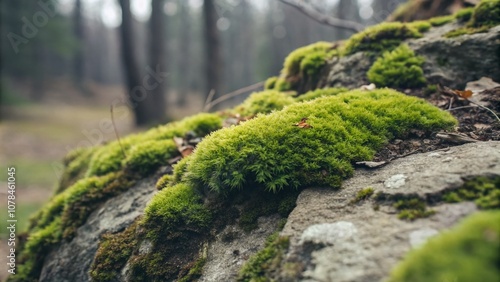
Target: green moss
x,y
179,205
144,158
110,157
76,164
486,13
311,95
112,255
381,37
412,208
267,259
442,20
363,195
264,102
483,190
270,151
164,181
399,68
421,26
468,252
480,19
308,59
464,15
270,83
282,85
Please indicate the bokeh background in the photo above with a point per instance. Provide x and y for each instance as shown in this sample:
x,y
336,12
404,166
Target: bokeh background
x,y
64,63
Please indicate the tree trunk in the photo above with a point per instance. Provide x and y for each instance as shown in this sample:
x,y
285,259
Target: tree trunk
x,y
347,10
158,60
185,54
79,60
213,61
137,93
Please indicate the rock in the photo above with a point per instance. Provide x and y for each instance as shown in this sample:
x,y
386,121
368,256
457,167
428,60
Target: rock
x,y
71,261
448,61
362,243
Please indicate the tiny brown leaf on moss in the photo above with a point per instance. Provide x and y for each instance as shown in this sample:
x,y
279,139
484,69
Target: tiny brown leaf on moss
x,y
303,123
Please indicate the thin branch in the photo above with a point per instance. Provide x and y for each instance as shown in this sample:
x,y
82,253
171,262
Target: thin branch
x,y
235,93
210,96
322,18
116,131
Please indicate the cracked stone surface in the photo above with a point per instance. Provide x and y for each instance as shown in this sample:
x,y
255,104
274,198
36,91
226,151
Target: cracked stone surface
x,y
360,243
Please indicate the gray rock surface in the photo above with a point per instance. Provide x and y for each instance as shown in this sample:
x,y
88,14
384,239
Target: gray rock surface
x,y
338,241
449,61
71,261
232,247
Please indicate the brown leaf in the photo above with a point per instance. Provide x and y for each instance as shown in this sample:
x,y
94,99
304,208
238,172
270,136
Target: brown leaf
x,y
303,123
466,94
186,150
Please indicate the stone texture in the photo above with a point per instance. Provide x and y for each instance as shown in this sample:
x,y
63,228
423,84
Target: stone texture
x,y
337,241
71,261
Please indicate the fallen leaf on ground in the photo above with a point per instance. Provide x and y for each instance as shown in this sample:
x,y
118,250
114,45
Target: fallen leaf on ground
x,y
303,123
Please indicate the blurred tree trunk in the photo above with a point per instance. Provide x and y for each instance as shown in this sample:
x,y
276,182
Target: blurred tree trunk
x,y
213,61
158,60
79,60
137,94
347,10
185,56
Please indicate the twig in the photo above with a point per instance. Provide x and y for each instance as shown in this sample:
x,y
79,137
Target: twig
x,y
210,96
458,108
116,131
322,18
235,93
486,108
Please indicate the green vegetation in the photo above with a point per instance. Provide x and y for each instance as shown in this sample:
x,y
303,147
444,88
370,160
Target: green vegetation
x,y
399,68
270,151
363,195
311,95
257,266
113,253
464,15
308,59
468,252
442,20
412,208
110,158
282,85
480,19
264,102
179,205
270,83
97,174
483,190
381,38
195,271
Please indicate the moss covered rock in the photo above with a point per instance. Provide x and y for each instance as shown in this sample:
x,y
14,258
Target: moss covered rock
x,y
468,252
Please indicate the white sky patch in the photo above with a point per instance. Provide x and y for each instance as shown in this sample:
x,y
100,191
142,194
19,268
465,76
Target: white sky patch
x,y
141,9
111,14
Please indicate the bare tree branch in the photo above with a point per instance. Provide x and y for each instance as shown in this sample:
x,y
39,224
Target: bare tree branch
x,y
322,18
209,104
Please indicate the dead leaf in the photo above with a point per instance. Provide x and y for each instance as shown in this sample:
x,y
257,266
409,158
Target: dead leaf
x,y
466,94
303,123
186,150
455,138
481,126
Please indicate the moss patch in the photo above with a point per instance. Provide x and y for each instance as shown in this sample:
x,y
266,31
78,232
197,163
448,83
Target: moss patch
x,y
267,259
325,92
269,151
412,208
270,83
483,190
480,19
363,194
468,252
399,68
112,255
380,38
264,102
308,59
